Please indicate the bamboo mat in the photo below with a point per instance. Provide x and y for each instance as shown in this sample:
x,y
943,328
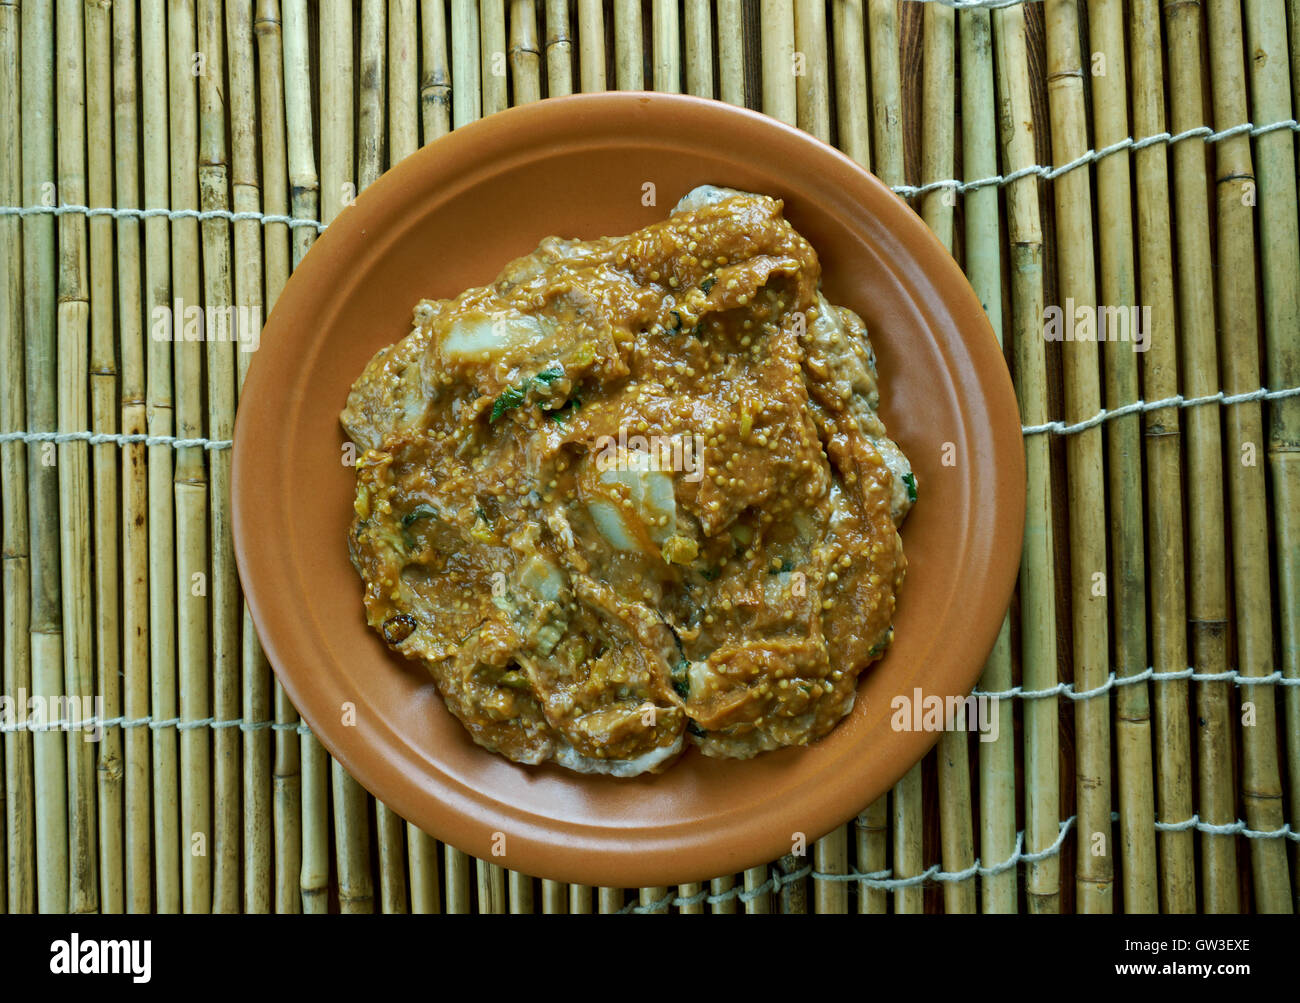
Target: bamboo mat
x,y
1135,153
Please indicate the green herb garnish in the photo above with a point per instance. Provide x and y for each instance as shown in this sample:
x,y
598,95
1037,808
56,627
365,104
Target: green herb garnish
x,y
550,374
707,284
514,396
509,399
910,483
681,681
560,414
786,565
421,511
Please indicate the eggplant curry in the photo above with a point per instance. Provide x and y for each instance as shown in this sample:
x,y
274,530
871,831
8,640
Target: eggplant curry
x,y
635,495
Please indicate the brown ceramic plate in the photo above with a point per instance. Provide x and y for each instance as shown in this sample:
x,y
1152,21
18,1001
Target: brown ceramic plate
x,y
450,217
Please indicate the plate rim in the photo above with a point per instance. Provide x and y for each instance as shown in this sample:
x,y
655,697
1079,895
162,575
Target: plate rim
x,y
571,859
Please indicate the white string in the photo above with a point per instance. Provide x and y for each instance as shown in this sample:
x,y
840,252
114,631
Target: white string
x,y
906,191
1237,828
1137,407
1092,156
883,880
91,724
1054,427
975,4
1016,692
1068,690
114,213
99,438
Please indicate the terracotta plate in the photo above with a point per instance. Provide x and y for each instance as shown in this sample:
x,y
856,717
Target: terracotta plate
x,y
450,217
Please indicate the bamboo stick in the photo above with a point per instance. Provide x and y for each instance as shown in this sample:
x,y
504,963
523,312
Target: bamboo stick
x,y
629,48
423,855
886,91
163,704
253,701
403,80
490,886
997,759
811,69
1110,93
1164,473
311,764
852,105
313,881
559,49
525,57
731,52
756,902
372,81
580,899
466,86
1293,32
1037,571
4,839
104,458
650,899
698,26
220,336
887,149
73,457
938,163
286,794
609,900
1261,784
20,832
1207,603
1280,264
872,845
520,892
907,840
591,45
392,860
103,389
937,146
689,891
778,55
351,803
792,896
555,897
831,856
456,870
666,26
493,47
1076,283
435,79
190,479
435,99
135,484
370,164
719,887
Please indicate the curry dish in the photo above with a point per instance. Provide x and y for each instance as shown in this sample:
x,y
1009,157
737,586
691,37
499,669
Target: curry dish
x,y
635,495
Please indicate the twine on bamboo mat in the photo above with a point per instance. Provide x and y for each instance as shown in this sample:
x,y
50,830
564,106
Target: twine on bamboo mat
x,y
883,881
1044,171
1054,427
92,723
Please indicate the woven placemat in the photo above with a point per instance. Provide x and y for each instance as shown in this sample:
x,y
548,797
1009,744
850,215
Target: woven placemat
x,y
1072,156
